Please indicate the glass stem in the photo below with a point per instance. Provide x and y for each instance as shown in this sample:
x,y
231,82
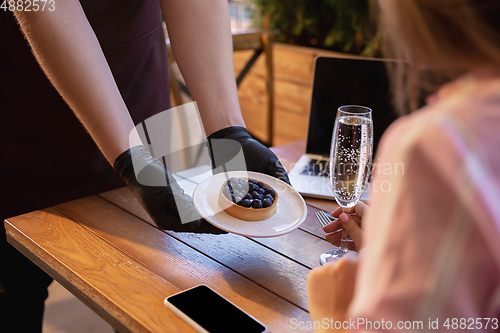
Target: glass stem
x,y
343,242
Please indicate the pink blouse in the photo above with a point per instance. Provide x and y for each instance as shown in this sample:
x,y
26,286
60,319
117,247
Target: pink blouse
x,y
433,234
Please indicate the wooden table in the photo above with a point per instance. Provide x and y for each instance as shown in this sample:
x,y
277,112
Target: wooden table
x,y
106,251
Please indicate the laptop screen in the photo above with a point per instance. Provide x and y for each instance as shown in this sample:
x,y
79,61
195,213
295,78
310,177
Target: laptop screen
x,y
347,81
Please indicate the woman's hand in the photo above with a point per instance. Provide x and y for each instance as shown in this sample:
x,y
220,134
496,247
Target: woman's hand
x,y
330,290
351,220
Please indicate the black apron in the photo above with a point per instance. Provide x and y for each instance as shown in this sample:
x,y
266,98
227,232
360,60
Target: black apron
x,y
46,155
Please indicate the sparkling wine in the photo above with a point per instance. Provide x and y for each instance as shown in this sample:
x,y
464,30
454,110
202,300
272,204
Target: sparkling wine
x,y
350,158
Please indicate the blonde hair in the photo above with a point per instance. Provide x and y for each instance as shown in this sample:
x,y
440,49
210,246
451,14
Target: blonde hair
x,y
440,39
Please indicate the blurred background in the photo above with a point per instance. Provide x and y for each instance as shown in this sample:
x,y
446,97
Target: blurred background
x,y
302,30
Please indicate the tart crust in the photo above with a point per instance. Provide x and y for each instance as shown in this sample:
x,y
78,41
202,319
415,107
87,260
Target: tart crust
x,y
244,213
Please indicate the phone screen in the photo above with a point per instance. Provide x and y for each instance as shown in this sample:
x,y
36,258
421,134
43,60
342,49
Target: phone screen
x,y
213,312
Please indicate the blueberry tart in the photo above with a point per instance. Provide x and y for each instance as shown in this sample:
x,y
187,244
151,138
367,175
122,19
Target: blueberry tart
x,y
248,199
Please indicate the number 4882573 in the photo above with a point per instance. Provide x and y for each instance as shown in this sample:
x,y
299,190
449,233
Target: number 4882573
x,y
471,324
28,5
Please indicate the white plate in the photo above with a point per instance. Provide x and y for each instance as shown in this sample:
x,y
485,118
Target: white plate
x,y
291,210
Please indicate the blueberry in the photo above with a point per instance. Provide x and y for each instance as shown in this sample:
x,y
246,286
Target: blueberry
x,y
252,181
233,198
271,192
265,187
227,192
270,197
266,203
251,187
246,203
237,199
262,191
256,203
248,196
256,195
260,184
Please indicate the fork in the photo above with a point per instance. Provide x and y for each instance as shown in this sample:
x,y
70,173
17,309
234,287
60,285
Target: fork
x,y
323,218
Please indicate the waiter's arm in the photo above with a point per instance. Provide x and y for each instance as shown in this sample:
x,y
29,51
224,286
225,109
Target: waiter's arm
x,y
200,34
69,53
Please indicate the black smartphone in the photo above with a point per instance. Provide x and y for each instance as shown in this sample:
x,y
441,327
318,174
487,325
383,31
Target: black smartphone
x,y
208,312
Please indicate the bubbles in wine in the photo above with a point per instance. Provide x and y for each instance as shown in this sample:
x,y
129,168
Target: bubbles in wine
x,y
351,157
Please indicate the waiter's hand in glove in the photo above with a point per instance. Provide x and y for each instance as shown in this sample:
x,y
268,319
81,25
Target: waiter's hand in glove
x,y
158,192
225,145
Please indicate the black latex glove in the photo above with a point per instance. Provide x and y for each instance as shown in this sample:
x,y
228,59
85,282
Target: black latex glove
x,y
158,192
224,145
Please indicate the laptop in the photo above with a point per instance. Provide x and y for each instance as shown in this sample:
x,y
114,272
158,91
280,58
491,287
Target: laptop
x,y
340,81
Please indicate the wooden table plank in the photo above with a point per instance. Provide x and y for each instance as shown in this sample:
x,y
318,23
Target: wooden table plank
x,y
110,282
286,244
249,259
185,267
311,224
299,246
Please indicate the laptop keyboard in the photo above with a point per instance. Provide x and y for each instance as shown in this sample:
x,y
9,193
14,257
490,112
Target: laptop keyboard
x,y
317,168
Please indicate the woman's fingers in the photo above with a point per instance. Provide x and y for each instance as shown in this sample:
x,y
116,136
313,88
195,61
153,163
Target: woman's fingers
x,y
334,226
334,239
352,227
333,231
360,209
351,223
337,224
336,212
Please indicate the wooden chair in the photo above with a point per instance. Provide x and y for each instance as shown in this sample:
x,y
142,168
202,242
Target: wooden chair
x,y
260,41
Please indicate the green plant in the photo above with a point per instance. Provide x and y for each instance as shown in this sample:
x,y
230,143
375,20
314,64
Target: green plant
x,y
339,25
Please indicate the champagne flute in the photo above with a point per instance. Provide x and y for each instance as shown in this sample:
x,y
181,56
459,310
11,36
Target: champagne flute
x,y
350,163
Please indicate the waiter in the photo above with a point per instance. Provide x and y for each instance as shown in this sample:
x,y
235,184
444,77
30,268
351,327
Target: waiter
x,y
106,63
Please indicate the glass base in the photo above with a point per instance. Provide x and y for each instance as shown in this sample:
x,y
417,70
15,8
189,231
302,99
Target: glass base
x,y
332,255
